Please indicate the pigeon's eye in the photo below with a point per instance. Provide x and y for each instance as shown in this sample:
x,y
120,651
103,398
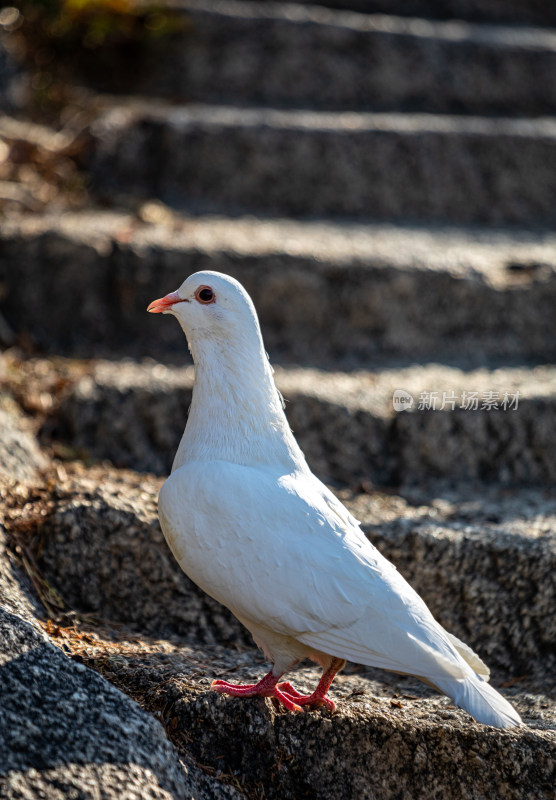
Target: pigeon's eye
x,y
204,294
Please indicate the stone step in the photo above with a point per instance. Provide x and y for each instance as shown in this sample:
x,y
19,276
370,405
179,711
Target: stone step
x,y
356,752
283,55
406,167
107,518
66,732
326,293
478,425
524,12
381,743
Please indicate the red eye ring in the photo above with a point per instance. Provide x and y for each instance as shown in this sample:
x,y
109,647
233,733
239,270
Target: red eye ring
x,y
204,295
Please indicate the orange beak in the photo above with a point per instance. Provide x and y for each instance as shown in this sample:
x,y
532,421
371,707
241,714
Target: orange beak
x,y
164,303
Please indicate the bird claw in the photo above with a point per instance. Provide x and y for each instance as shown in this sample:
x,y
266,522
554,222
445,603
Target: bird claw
x,y
312,700
261,689
232,688
284,692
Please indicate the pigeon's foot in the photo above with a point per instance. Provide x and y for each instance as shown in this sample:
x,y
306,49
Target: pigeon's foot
x,y
311,700
318,698
267,687
284,692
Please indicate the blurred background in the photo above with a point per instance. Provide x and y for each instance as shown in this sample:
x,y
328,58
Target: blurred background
x,y
381,176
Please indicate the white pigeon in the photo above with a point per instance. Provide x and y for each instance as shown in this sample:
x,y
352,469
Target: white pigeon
x,y
250,524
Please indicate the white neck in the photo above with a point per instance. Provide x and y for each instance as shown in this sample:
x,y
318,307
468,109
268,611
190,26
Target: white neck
x,y
236,413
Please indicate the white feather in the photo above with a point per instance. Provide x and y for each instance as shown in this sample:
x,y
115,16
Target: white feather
x,y
470,656
252,526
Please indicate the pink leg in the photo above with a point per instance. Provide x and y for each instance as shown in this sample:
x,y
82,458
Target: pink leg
x,y
267,687
318,698
285,692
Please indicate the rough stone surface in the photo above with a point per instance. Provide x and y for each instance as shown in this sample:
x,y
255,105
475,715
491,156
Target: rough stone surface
x,y
288,56
134,415
324,292
20,457
16,590
65,732
509,446
396,723
416,167
394,741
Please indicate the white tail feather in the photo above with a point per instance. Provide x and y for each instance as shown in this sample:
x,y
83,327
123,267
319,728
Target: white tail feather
x,y
469,655
479,699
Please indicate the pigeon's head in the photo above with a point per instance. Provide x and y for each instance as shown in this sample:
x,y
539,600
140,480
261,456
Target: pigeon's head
x,y
210,305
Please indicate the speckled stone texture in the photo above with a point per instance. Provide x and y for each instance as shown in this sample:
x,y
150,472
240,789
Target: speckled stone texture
x,y
285,55
346,424
418,167
66,732
350,293
396,744
17,595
